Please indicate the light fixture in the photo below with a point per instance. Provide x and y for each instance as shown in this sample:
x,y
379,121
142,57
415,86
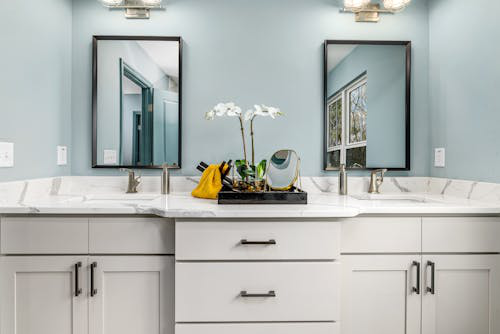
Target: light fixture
x,y
368,11
134,9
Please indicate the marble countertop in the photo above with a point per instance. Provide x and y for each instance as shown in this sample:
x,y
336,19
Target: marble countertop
x,y
104,196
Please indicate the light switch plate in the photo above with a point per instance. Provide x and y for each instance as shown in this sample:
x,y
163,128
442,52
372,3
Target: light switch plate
x,y
6,155
110,157
439,158
62,155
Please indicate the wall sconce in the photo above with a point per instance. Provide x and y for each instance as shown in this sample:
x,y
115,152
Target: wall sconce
x,y
367,11
134,9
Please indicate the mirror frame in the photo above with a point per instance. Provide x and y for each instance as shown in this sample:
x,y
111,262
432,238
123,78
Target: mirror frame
x,y
95,40
407,45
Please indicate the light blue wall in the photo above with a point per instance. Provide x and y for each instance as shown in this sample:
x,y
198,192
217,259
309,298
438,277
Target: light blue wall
x,y
35,85
260,51
385,66
464,87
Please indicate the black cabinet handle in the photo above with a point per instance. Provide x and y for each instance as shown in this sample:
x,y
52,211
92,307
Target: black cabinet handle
x,y
270,294
93,290
78,290
416,289
432,288
247,242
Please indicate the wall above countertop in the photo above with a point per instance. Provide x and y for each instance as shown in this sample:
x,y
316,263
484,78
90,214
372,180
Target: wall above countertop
x,y
268,52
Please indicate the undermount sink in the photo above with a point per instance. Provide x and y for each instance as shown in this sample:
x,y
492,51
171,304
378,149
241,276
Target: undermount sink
x,y
119,199
396,198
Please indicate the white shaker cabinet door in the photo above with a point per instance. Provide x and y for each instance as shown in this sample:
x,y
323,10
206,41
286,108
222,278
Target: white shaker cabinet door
x,y
131,295
41,295
462,294
380,294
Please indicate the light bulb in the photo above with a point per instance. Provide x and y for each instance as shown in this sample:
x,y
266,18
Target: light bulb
x,y
355,4
395,5
112,2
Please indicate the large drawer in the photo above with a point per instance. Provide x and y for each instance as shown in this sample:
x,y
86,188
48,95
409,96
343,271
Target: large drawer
x,y
461,235
211,292
198,240
260,328
131,235
44,235
381,235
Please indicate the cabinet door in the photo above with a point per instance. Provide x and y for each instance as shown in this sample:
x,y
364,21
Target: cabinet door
x,y
39,295
131,294
378,294
463,297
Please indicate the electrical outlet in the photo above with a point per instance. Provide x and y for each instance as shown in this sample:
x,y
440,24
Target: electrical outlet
x,y
62,155
110,157
439,158
6,155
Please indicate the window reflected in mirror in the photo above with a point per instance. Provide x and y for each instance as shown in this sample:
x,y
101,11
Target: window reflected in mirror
x,y
367,105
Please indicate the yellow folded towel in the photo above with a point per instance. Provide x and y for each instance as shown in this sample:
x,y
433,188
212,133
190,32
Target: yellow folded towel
x,y
210,183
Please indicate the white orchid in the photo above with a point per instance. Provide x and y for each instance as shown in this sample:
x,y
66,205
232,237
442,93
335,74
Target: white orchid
x,y
232,110
223,109
262,110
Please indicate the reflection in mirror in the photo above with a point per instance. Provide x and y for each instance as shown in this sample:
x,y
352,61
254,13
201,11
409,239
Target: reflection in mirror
x,y
367,105
283,170
137,84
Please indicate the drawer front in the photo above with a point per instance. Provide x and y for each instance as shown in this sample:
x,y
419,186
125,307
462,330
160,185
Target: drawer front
x,y
381,235
285,240
211,292
41,235
277,328
461,235
131,235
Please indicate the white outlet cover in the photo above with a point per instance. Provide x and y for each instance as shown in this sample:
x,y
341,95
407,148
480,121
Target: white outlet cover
x,y
6,155
439,157
110,157
62,155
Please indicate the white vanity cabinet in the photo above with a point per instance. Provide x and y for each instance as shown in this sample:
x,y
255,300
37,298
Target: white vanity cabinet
x,y
449,285
121,281
257,276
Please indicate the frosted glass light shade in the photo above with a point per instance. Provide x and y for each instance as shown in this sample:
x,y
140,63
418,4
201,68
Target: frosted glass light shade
x,y
355,4
152,2
112,2
395,5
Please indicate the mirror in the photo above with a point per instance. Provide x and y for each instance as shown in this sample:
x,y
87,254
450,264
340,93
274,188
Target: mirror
x,y
137,83
283,170
367,105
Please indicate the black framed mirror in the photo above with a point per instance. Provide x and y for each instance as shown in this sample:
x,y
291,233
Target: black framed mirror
x,y
136,102
367,89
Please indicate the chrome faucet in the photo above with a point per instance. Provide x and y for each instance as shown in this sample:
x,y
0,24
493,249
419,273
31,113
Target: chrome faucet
x,y
165,180
376,181
133,182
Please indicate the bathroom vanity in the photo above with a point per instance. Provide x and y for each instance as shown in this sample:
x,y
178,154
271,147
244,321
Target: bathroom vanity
x,y
338,265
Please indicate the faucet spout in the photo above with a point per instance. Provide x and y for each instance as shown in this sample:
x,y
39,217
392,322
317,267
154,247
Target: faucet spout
x,y
376,180
133,182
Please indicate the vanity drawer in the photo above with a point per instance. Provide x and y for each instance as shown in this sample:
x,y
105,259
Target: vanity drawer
x,y
132,235
274,240
211,292
381,235
262,328
44,235
461,235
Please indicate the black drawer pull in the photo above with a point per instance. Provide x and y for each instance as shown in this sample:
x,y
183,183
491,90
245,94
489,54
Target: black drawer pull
x,y
416,289
78,290
270,294
432,288
93,290
248,242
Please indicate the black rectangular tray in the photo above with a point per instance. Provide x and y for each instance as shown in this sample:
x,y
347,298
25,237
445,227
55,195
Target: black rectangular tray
x,y
268,197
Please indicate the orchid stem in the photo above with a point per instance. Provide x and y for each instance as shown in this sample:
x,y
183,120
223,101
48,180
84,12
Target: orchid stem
x,y
253,147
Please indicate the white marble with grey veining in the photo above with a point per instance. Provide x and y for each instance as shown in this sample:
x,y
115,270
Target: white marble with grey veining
x,y
106,195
